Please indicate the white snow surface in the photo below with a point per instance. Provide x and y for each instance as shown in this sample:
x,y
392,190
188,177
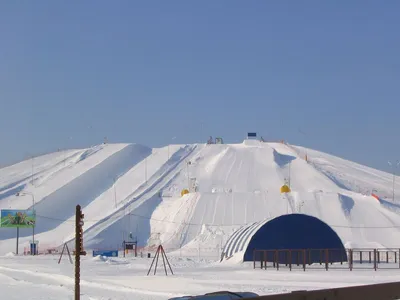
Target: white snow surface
x,y
104,278
132,189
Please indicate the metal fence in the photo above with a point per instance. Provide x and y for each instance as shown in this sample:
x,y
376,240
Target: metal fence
x,y
206,253
360,258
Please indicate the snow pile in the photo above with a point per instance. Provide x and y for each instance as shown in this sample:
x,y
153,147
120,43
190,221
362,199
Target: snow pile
x,y
129,191
100,258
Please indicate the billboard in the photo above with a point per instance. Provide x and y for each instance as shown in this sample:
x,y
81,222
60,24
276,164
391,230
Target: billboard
x,y
14,218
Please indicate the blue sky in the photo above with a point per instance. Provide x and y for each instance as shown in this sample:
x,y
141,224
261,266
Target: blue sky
x,y
73,72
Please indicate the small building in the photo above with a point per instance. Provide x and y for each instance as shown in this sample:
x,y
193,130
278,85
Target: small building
x,y
219,140
287,232
251,135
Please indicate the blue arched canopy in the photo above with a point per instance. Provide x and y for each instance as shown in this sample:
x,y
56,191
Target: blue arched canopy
x,y
295,232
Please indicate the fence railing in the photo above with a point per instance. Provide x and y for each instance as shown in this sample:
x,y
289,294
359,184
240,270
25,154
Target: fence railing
x,y
360,258
208,253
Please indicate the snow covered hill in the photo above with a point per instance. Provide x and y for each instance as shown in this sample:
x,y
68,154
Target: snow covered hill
x,y
129,188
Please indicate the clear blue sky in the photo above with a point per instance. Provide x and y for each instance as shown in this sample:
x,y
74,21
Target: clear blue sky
x,y
147,71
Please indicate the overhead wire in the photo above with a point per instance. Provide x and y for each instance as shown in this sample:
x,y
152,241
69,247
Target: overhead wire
x,y
213,225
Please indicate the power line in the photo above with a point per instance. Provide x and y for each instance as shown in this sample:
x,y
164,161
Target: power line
x,y
214,225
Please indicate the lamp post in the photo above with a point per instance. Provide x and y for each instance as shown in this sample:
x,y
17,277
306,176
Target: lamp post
x,y
33,212
394,166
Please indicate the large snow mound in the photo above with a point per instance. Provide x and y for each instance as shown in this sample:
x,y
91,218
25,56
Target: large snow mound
x,y
130,190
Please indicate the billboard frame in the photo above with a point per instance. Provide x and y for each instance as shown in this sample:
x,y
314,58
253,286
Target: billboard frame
x,y
8,216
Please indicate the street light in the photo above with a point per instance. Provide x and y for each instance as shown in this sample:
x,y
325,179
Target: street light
x,y
394,166
20,194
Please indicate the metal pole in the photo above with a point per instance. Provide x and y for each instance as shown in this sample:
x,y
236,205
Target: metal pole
x,y
394,177
32,172
17,240
145,169
33,214
115,194
289,172
187,170
34,224
394,174
287,205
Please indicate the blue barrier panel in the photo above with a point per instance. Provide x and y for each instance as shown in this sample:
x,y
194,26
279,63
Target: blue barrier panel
x,y
33,249
108,253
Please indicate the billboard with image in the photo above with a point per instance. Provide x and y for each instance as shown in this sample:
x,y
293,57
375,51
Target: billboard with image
x,y
14,218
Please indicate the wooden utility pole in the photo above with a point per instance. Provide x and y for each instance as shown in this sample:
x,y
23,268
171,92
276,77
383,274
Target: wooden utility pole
x,y
78,249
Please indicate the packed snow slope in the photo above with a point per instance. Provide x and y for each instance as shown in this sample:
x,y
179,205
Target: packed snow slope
x,y
132,190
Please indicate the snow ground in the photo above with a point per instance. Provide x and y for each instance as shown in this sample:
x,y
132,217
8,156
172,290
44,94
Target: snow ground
x,y
118,278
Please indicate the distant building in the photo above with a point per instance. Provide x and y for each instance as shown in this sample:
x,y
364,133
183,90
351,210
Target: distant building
x,y
251,135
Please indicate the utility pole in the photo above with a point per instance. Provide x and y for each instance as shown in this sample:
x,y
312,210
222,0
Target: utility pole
x,y
78,249
394,166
